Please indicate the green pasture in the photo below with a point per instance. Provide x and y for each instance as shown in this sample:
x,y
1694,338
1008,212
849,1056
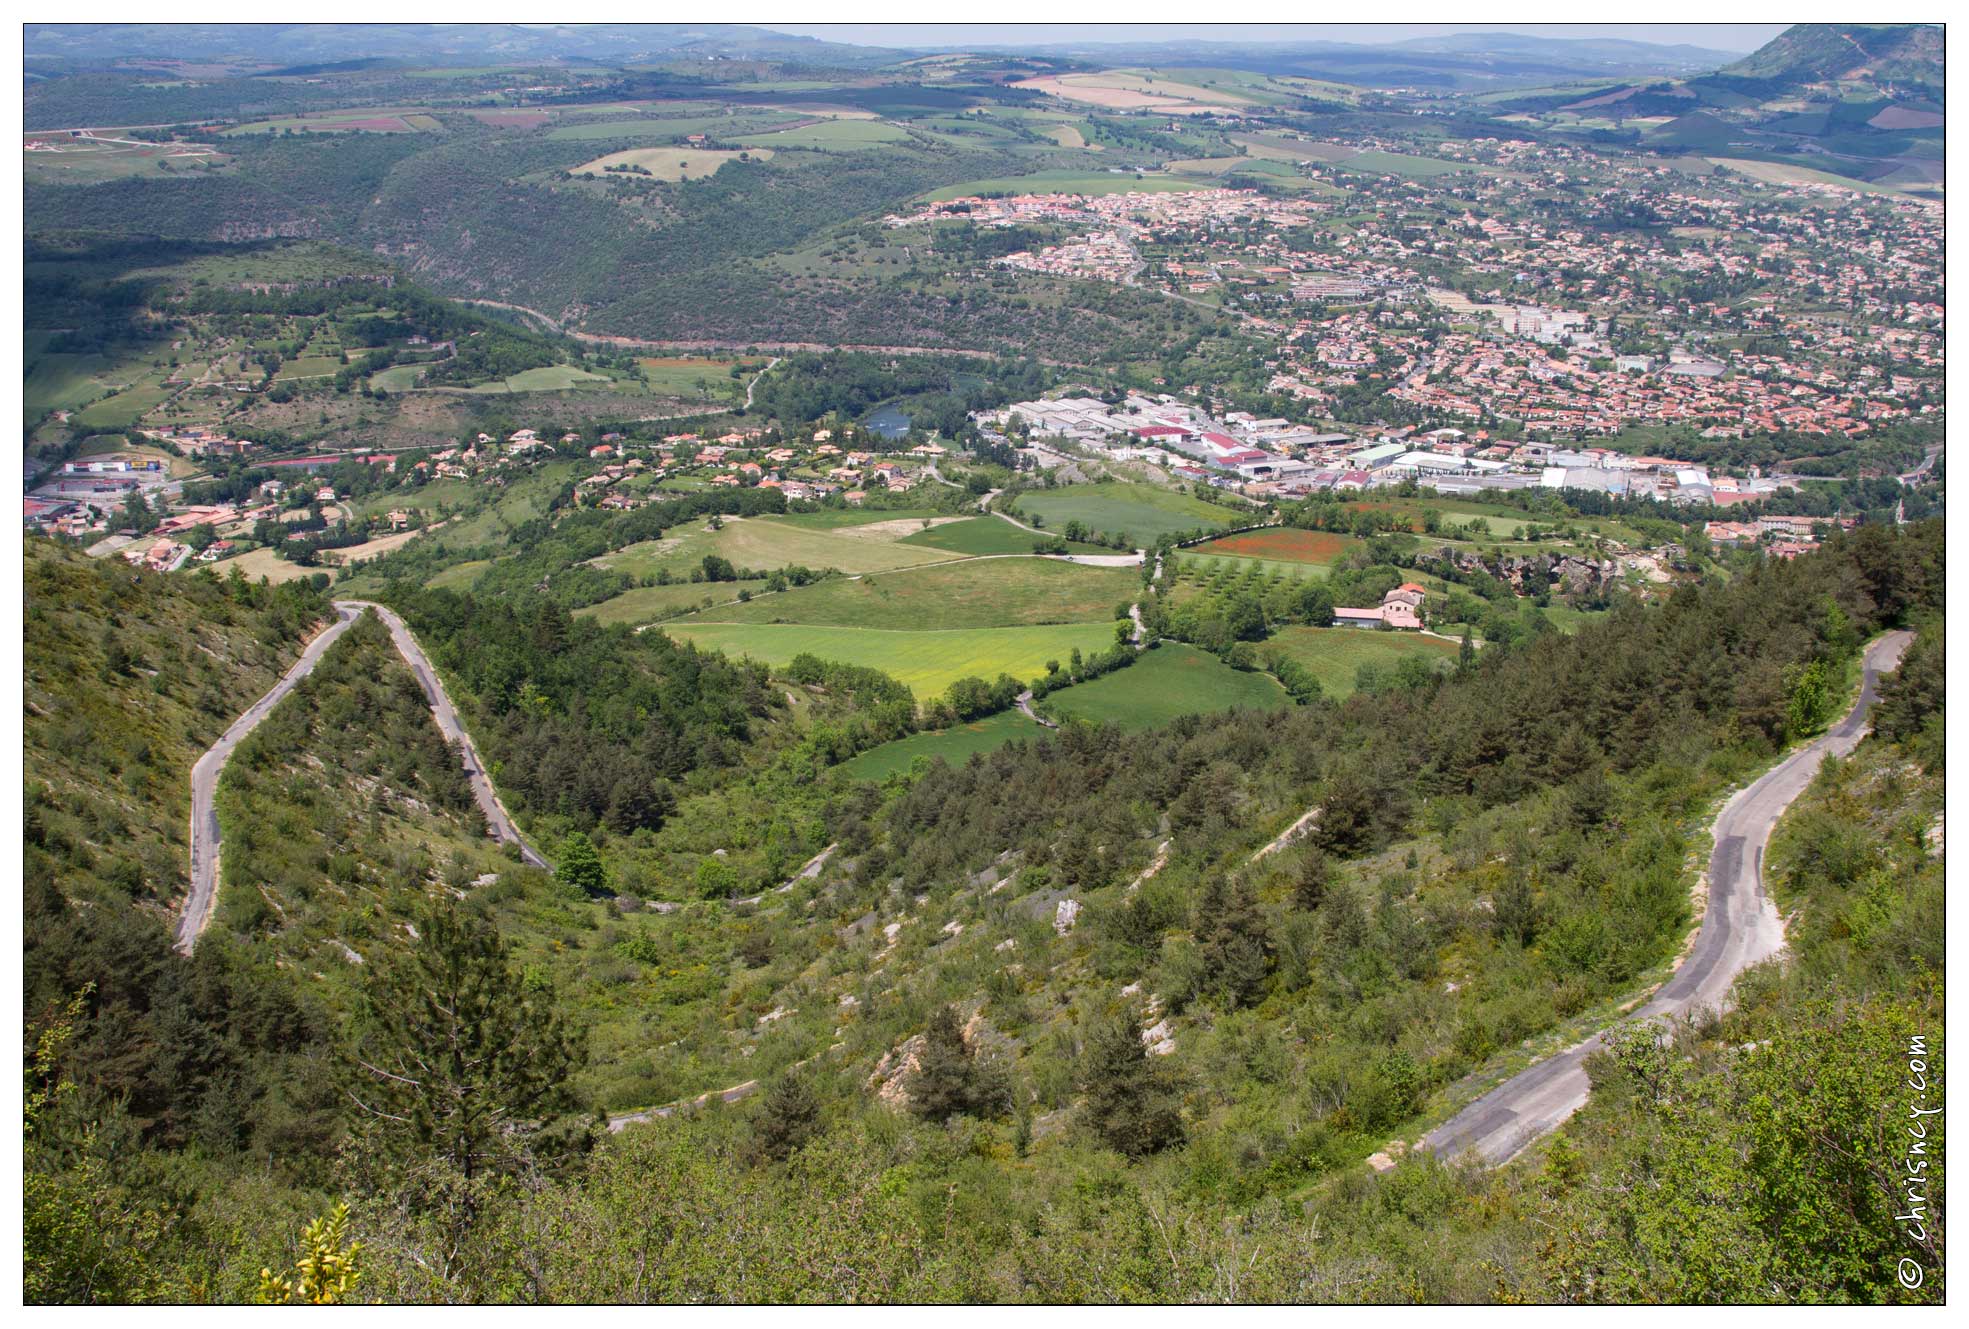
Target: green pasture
x,y
928,662
766,543
1143,512
1334,655
955,745
975,593
647,604
1164,684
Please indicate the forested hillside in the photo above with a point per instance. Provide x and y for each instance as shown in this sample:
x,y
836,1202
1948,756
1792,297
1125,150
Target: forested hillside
x,y
130,676
952,1093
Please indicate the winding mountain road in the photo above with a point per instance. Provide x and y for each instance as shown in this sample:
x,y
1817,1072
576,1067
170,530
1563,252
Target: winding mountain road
x,y
1740,927
206,771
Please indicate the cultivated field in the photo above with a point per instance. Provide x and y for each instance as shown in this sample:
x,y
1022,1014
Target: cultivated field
x,y
841,135
1786,173
955,745
1115,91
371,122
547,378
671,164
679,375
977,593
928,662
647,604
257,563
1163,684
765,543
1286,544
1142,512
1335,655
987,535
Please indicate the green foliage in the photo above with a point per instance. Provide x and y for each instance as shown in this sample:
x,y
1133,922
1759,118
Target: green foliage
x,y
950,1080
580,866
460,1066
329,1267
1131,1104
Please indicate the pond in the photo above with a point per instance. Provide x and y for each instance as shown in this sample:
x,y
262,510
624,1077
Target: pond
x,y
888,421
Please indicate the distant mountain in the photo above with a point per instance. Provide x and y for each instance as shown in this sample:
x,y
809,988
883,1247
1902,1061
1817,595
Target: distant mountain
x,y
1860,100
1894,59
1473,62
284,44
1606,51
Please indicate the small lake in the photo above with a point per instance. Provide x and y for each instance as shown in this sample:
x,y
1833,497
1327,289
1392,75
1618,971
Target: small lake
x,y
888,421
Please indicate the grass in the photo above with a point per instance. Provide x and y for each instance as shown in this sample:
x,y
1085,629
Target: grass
x,y
547,378
1066,182
1142,512
257,563
716,126
309,366
89,166
671,164
976,593
1334,655
647,604
678,375
833,135
955,745
124,409
397,378
1165,684
766,543
61,382
460,576
987,535
928,662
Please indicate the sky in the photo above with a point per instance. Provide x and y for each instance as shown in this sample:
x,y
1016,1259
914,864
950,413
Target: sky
x,y
1713,36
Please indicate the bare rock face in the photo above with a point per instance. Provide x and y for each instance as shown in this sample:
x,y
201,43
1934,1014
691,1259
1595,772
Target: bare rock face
x,y
1065,916
891,1077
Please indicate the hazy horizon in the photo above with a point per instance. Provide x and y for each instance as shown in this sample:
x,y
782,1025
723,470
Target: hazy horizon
x,y
1740,37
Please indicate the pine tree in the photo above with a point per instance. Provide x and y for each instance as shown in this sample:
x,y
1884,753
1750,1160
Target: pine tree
x,y
789,1116
461,1063
1231,938
1131,1106
949,1082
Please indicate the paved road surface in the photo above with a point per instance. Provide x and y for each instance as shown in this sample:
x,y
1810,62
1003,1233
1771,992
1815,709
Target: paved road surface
x,y
205,783
732,1095
205,772
497,819
1927,465
1740,927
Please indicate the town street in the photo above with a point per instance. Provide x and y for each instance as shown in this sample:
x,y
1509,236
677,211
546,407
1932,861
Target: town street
x,y
205,772
1740,927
